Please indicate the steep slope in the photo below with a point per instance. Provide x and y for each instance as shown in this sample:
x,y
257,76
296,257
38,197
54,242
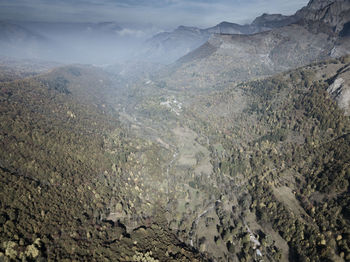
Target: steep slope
x,y
340,88
334,13
280,145
64,164
239,57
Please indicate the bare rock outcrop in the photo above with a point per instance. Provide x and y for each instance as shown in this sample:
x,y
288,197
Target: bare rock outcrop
x,y
340,89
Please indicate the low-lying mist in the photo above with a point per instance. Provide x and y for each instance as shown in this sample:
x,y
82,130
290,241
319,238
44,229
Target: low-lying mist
x,y
102,43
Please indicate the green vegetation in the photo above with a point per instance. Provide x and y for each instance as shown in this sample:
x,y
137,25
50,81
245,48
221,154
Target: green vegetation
x,y
63,161
290,136
253,171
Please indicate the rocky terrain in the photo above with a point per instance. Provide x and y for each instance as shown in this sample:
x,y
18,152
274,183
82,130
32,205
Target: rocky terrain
x,y
339,88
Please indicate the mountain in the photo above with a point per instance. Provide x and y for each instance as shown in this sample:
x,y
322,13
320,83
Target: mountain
x,y
262,23
167,47
232,28
269,21
226,58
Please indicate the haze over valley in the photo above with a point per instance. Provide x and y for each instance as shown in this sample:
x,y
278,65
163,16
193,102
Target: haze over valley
x,y
143,139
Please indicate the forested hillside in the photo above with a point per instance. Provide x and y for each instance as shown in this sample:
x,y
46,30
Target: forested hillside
x,y
63,158
286,148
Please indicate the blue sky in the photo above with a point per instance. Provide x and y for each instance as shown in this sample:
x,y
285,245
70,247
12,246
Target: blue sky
x,y
163,14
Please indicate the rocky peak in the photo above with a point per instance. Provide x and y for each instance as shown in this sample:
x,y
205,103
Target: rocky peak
x,y
229,28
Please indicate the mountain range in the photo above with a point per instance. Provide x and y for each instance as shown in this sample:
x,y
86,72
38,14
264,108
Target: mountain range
x,y
109,42
314,36
168,46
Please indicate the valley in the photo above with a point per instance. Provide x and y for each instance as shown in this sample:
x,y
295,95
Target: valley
x,y
216,171
205,138
237,151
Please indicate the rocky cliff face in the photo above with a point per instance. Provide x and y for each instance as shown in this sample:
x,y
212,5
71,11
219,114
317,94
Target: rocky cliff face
x,y
333,13
340,88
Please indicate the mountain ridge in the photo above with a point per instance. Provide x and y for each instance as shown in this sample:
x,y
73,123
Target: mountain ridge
x,y
330,13
241,57
175,44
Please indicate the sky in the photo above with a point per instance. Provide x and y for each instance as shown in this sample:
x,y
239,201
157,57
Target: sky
x,y
164,14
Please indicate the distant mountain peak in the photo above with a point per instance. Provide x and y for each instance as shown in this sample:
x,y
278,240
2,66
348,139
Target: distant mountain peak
x,y
225,23
273,20
269,17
